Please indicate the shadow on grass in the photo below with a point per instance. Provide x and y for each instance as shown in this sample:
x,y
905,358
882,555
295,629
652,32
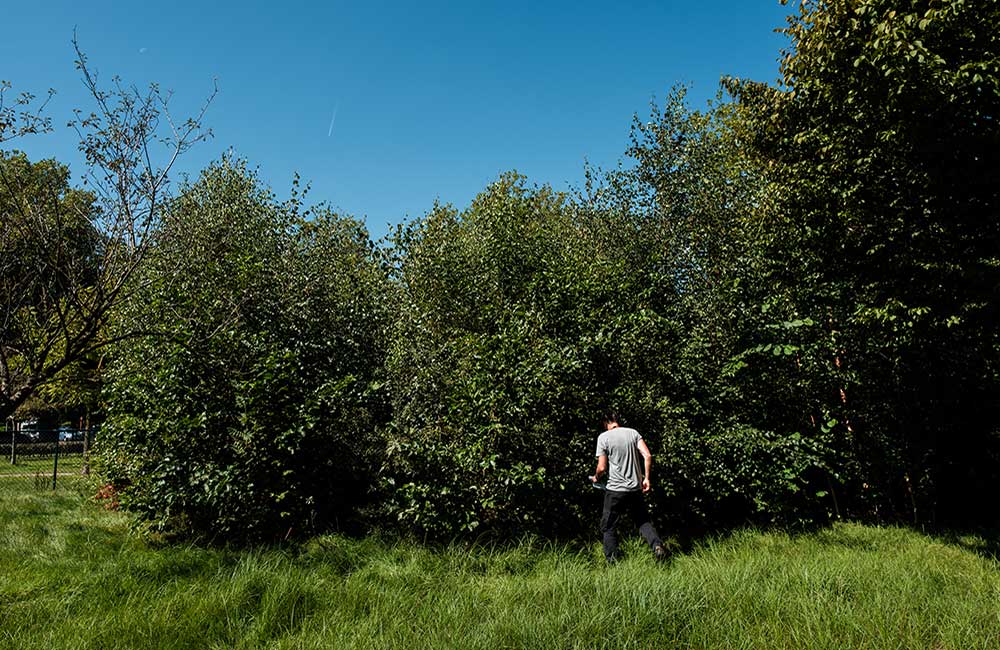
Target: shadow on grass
x,y
849,535
984,542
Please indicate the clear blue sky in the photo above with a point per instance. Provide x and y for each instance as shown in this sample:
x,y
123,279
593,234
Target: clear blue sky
x,y
432,100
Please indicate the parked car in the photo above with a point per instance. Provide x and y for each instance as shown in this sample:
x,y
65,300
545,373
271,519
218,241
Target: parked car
x,y
29,430
68,433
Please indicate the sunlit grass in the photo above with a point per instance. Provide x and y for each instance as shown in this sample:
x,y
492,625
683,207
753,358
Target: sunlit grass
x,y
73,577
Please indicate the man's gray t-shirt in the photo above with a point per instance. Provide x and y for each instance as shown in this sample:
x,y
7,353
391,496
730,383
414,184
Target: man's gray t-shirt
x,y
621,446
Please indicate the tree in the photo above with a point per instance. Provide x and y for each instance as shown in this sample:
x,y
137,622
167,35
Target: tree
x,y
254,416
727,406
69,255
48,259
489,389
881,146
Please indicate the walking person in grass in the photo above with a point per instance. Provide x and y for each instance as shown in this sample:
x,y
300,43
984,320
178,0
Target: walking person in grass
x,y
618,452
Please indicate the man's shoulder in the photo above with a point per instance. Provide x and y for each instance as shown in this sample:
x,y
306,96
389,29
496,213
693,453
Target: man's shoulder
x,y
619,437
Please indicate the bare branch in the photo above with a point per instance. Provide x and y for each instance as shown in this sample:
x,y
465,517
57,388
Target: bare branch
x,y
76,257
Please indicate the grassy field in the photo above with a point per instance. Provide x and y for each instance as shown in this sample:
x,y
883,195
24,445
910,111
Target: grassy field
x,y
34,474
69,463
71,576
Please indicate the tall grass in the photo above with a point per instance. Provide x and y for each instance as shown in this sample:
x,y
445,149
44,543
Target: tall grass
x,y
71,576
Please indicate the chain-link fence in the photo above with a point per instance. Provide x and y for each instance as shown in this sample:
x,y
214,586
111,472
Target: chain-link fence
x,y
44,460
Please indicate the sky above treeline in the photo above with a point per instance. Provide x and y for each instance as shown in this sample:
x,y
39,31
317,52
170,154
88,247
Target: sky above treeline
x,y
385,107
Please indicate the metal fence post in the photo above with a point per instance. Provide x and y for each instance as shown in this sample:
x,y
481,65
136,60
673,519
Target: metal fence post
x,y
55,463
86,451
13,443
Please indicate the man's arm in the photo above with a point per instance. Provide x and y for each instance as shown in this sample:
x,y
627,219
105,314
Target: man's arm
x,y
648,457
602,466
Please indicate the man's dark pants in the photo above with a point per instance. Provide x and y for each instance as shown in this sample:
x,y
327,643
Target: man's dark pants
x,y
630,504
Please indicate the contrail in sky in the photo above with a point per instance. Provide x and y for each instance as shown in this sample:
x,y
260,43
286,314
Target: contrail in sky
x,y
332,120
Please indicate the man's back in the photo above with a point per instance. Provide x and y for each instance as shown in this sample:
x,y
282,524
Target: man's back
x,y
621,446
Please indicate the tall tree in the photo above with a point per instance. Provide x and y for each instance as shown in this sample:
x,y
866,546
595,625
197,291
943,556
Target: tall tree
x,y
883,146
729,391
69,255
48,263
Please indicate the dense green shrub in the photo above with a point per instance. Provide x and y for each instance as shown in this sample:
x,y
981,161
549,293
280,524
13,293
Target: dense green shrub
x,y
250,408
520,319
525,316
730,407
793,296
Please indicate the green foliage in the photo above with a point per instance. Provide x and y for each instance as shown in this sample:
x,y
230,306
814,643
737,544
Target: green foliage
x,y
881,151
792,295
735,445
68,256
49,267
250,408
520,319
527,314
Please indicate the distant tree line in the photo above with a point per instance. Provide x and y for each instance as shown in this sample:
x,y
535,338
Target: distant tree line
x,y
793,294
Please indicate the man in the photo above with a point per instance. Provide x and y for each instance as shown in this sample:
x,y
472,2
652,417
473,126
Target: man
x,y
618,451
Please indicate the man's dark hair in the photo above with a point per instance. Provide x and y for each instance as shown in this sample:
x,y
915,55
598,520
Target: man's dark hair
x,y
611,416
